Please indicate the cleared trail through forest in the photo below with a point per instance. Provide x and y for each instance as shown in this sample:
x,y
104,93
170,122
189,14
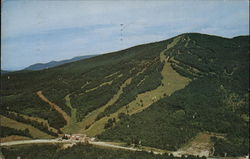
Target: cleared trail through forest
x,y
90,118
73,126
73,110
171,82
54,106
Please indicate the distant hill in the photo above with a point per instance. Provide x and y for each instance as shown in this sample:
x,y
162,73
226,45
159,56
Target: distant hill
x,y
191,89
41,66
5,71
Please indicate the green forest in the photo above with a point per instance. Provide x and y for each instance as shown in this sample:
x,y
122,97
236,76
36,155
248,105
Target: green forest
x,y
214,103
80,151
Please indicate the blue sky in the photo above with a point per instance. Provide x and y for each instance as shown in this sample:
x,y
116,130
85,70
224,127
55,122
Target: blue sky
x,y
35,31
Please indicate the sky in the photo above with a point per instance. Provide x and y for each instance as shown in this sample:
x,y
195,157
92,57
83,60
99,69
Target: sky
x,y
36,31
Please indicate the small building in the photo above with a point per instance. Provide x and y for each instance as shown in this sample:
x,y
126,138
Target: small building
x,y
78,137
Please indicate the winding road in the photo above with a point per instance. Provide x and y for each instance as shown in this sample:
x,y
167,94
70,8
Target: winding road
x,y
97,143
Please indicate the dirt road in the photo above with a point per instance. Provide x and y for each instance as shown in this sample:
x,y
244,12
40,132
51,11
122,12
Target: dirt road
x,y
104,144
38,141
97,143
48,141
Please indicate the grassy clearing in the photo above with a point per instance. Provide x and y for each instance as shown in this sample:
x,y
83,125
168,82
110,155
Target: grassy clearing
x,y
174,42
190,68
103,84
120,75
85,85
73,110
200,145
171,82
13,138
40,120
72,126
150,149
112,74
21,126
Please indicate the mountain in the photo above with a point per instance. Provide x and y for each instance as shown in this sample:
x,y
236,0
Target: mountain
x,y
41,66
5,71
187,94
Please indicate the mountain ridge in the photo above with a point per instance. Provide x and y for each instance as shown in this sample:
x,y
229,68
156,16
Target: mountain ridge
x,y
51,64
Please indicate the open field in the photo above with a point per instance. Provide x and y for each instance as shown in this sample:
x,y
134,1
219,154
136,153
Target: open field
x,y
21,126
13,138
200,145
37,119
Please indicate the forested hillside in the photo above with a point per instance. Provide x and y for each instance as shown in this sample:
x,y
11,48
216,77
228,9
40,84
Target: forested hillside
x,y
215,101
159,94
80,151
